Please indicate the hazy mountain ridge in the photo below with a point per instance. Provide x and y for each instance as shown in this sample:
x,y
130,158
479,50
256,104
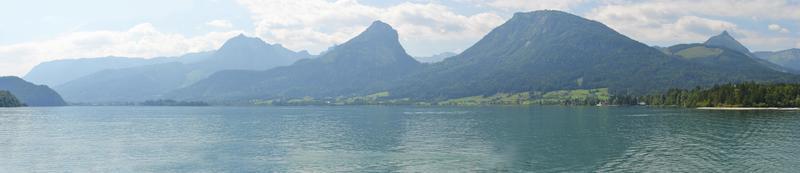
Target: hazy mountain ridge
x,y
29,93
789,58
135,84
435,58
54,73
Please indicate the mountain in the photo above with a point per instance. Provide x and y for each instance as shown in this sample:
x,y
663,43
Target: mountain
x,y
9,100
370,60
723,51
29,93
553,50
435,58
249,53
789,58
725,40
724,58
54,73
135,84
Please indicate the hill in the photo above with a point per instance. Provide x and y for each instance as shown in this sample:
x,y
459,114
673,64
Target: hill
x,y
9,100
29,93
435,58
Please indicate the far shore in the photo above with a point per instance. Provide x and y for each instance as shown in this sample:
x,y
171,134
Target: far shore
x,y
748,108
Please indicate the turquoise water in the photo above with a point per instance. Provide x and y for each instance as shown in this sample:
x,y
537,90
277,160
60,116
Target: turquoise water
x,y
396,139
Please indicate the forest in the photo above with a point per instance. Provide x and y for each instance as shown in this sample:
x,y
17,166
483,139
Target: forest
x,y
748,94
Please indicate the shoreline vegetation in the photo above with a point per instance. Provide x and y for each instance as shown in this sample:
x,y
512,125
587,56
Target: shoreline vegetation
x,y
730,96
743,96
9,100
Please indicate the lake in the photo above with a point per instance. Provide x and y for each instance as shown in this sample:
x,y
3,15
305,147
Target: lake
x,y
397,139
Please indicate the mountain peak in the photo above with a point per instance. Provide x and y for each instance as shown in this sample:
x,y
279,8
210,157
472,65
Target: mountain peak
x,y
378,31
544,27
378,44
725,40
379,25
241,42
542,12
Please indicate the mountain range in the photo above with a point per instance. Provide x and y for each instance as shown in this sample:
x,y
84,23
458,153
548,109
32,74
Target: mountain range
x,y
789,58
553,50
54,73
157,77
536,51
435,58
372,59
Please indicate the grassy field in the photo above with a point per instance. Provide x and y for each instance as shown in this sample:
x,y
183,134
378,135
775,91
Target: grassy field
x,y
589,96
699,52
568,97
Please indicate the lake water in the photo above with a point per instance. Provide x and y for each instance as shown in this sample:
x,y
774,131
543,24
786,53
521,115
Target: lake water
x,y
396,139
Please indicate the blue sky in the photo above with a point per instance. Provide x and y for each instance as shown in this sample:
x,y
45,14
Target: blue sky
x,y
43,30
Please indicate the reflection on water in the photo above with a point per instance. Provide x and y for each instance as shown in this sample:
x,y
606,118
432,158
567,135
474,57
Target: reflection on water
x,y
396,139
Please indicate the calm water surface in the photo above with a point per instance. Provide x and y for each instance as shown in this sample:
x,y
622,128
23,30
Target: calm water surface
x,y
396,139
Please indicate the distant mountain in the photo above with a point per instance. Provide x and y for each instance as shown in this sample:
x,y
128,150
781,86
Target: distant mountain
x,y
370,60
725,40
435,58
552,50
723,51
724,58
9,100
54,73
29,93
789,58
249,53
140,83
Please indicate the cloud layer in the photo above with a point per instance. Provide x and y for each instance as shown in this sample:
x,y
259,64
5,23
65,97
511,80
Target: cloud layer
x,y
142,40
681,21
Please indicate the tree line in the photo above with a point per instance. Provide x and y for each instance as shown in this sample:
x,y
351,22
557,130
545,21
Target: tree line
x,y
749,94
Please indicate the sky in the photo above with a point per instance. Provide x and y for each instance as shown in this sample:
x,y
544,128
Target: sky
x,y
36,31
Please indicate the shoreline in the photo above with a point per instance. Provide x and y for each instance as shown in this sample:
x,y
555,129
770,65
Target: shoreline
x,y
748,108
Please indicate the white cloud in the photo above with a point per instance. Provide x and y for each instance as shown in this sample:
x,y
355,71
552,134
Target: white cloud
x,y
640,25
761,9
777,28
318,24
142,40
529,5
221,24
683,21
